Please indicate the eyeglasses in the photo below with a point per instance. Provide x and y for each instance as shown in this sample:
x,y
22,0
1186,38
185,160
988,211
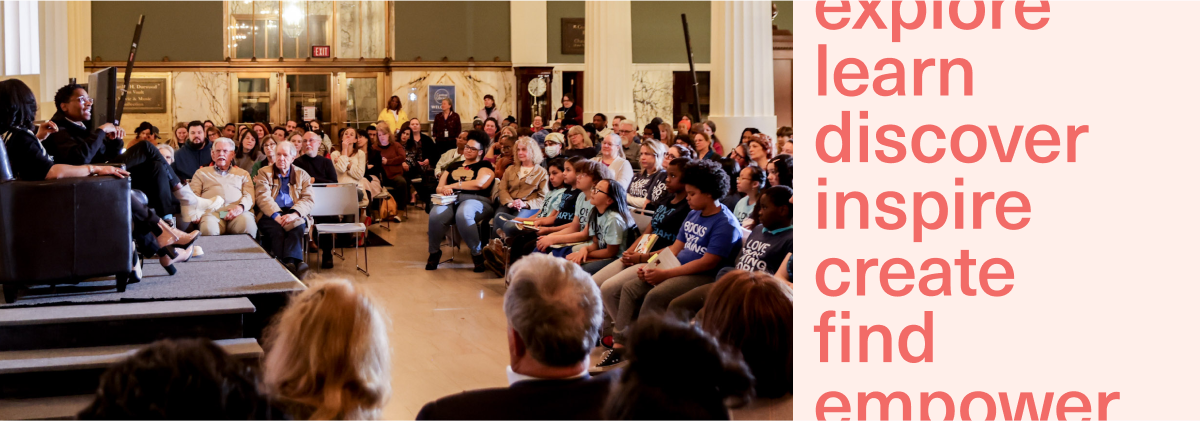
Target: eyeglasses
x,y
625,131
472,148
596,190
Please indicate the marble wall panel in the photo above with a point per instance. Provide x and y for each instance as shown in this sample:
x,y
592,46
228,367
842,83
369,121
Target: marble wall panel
x,y
470,87
201,96
652,96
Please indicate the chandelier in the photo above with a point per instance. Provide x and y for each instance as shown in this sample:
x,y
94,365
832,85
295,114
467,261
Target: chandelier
x,y
293,18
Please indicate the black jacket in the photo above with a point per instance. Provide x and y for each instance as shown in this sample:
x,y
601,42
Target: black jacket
x,y
572,399
319,167
188,159
75,145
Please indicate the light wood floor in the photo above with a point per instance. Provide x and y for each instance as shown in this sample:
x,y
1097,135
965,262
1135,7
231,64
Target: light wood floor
x,y
447,326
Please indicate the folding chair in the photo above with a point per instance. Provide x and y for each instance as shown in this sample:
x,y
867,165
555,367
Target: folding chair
x,y
340,200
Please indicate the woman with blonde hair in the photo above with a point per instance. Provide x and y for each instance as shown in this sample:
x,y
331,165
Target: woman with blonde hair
x,y
612,155
181,136
579,144
328,355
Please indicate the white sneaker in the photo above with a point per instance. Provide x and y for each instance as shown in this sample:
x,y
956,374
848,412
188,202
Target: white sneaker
x,y
193,207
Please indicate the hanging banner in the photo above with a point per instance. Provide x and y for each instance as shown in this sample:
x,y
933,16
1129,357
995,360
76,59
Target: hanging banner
x,y
436,94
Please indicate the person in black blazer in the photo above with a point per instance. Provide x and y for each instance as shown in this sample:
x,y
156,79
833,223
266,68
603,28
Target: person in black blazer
x,y
557,305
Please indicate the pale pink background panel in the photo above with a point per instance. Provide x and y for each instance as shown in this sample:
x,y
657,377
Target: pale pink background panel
x,y
1105,293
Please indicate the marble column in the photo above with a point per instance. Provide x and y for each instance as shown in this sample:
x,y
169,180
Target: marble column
x,y
528,33
52,28
608,60
79,37
742,83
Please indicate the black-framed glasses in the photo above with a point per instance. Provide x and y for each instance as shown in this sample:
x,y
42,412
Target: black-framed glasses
x,y
472,148
596,190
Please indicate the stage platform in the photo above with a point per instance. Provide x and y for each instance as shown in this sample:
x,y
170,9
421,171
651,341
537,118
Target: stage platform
x,y
232,266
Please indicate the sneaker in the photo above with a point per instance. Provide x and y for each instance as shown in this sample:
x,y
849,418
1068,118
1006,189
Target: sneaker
x,y
479,266
613,358
434,260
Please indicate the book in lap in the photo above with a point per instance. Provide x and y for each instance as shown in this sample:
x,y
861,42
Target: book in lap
x,y
664,259
645,243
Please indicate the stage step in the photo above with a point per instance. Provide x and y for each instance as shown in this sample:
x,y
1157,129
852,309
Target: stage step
x,y
52,408
92,325
70,371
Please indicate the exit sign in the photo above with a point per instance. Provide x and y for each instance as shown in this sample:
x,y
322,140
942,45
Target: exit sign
x,y
320,51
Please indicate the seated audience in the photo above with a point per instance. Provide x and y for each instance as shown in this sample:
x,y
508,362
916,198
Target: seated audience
x,y
394,160
630,141
783,140
607,228
451,156
283,194
579,144
732,170
751,312
210,133
225,183
416,164
144,132
350,162
553,313
760,150
559,210
749,183
29,161
612,155
669,214
522,191
765,249
739,154
179,379
249,150
677,151
328,355
312,162
268,149
471,181
748,135
709,238
180,138
649,184
703,145
587,174
279,134
539,131
678,372
779,171
786,149
326,144
167,152
554,145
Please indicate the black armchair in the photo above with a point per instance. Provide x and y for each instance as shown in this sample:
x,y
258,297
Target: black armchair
x,y
63,231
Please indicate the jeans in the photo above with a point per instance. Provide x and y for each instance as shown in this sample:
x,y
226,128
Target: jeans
x,y
466,215
687,305
595,266
279,242
504,217
626,297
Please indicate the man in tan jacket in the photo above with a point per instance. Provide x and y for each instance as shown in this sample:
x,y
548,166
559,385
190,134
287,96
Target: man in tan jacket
x,y
283,194
233,184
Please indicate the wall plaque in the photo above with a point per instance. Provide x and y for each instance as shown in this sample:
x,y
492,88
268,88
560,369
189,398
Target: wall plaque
x,y
146,96
572,35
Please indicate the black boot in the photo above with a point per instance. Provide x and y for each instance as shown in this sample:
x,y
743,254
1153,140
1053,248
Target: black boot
x,y
479,266
327,260
434,259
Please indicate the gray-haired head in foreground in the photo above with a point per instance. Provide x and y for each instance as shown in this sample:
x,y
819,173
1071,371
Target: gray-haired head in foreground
x,y
555,308
226,140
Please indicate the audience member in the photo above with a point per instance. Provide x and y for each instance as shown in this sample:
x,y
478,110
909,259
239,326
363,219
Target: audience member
x,y
553,312
587,174
558,210
451,156
193,155
394,159
554,145
424,153
326,145
366,143
740,156
703,145
393,114
677,151
752,313
759,148
685,125
268,149
446,128
291,125
508,121
229,131
709,128
328,355
765,249
522,191
630,141
649,184
608,229
279,134
225,183
249,150
708,239
668,133
786,149
751,180
489,110
471,182
590,129
208,124
779,171
167,152
690,141
212,133
181,136
732,170
179,379
669,214
747,135
261,130
579,144
314,164
600,122
145,132
570,114
283,194
612,155
30,162
539,131
678,372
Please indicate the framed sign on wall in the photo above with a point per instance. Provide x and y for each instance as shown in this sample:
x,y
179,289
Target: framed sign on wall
x,y
436,93
572,35
146,96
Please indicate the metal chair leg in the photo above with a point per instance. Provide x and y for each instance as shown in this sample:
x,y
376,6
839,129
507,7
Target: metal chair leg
x,y
365,262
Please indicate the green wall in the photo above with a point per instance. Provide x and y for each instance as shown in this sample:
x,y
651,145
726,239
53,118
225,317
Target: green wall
x,y
181,30
457,30
658,31
555,11
784,19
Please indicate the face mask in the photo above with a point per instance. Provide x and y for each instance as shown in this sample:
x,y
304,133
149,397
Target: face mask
x,y
552,150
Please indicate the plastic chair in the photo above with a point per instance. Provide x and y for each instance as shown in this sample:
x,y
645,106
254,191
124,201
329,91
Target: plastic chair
x,y
339,200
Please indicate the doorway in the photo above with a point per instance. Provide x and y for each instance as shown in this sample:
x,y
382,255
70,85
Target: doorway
x,y
308,98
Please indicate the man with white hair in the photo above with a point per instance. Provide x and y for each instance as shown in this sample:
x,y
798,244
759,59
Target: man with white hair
x,y
553,310
630,142
312,162
226,182
283,193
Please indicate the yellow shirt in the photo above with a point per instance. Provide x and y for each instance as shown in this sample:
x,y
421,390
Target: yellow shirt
x,y
393,120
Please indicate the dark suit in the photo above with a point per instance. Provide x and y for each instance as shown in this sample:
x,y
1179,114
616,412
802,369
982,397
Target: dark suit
x,y
581,398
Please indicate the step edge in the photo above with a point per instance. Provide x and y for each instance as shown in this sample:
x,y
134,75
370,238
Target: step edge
x,y
235,305
239,348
